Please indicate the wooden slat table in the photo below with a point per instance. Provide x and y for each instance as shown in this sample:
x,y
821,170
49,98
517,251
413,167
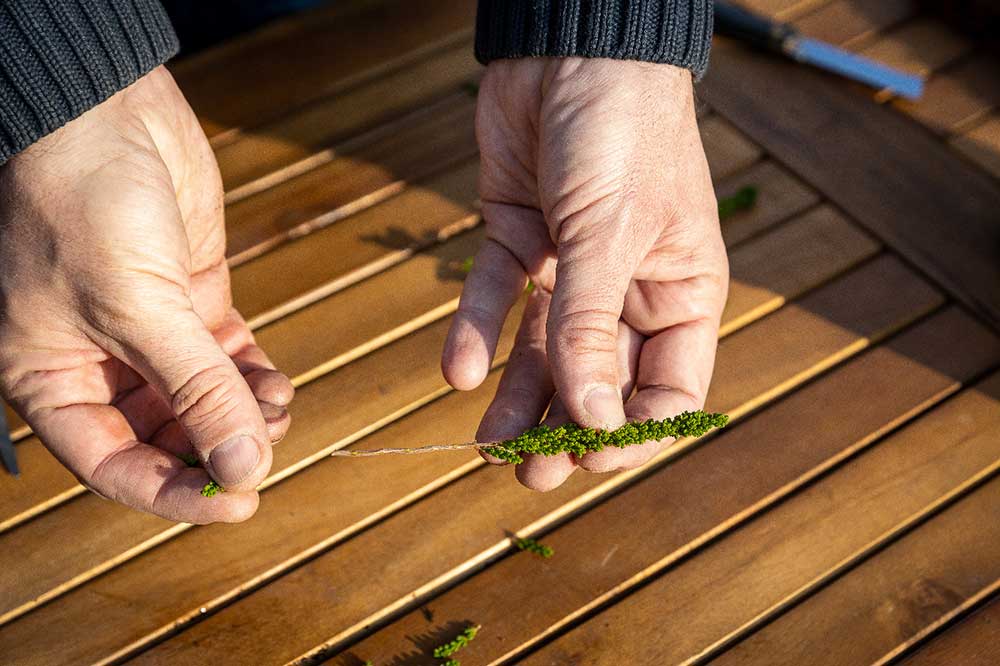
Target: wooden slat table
x,y
848,516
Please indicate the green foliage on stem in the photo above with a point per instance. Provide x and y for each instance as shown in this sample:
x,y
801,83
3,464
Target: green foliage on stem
x,y
571,438
745,198
533,546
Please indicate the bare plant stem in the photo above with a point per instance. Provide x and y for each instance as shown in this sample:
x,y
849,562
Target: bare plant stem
x,y
419,449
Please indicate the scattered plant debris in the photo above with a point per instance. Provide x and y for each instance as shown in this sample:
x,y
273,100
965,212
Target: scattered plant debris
x,y
533,546
744,198
212,489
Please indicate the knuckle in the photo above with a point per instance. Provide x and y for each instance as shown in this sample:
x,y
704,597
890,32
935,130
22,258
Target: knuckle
x,y
207,397
586,331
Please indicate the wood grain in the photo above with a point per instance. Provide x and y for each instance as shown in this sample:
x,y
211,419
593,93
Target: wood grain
x,y
367,173
357,247
756,569
981,144
893,595
975,641
487,504
957,97
920,46
291,144
815,246
313,55
756,290
886,172
783,10
15,424
659,520
728,151
852,24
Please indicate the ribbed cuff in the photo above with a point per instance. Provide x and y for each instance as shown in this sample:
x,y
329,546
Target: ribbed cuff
x,y
59,58
676,32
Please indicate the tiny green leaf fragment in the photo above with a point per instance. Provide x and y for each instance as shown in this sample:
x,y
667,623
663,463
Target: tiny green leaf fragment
x,y
745,198
457,643
212,489
190,459
533,546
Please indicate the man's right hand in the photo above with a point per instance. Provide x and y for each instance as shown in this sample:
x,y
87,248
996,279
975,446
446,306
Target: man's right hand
x,y
119,344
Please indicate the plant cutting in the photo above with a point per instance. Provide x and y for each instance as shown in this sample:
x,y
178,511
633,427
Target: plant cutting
x,y
571,438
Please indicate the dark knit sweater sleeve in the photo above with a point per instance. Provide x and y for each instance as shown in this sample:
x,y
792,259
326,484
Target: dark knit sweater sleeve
x,y
59,58
677,32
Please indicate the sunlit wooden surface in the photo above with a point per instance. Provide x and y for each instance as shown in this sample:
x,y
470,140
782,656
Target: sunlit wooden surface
x,y
849,515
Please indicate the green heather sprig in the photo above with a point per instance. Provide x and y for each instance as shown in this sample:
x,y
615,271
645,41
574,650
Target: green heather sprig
x,y
457,643
744,198
533,546
571,438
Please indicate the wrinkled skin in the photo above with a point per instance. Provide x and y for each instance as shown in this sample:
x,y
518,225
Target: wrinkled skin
x,y
118,341
595,186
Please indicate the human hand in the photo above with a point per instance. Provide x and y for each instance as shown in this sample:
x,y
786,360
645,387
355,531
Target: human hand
x,y
594,185
119,344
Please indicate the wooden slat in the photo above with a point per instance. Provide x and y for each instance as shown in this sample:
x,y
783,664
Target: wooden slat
x,y
756,290
920,46
975,641
783,10
291,143
357,247
489,503
658,521
981,144
957,97
887,173
757,568
891,597
728,151
313,55
15,424
362,176
779,196
851,24
352,321
808,250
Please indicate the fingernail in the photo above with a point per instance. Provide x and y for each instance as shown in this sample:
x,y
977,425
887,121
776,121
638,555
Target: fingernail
x,y
234,460
604,404
272,412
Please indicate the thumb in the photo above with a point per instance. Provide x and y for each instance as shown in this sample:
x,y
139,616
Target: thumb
x,y
177,354
582,329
